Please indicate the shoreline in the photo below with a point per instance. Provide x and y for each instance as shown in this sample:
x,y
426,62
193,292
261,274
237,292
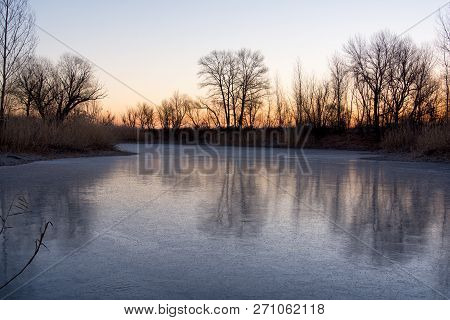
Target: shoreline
x,y
10,159
405,157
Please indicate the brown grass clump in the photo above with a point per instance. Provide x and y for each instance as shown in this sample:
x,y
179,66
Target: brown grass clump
x,y
432,140
23,135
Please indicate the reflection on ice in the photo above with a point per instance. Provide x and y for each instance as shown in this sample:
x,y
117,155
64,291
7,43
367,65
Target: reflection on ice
x,y
252,227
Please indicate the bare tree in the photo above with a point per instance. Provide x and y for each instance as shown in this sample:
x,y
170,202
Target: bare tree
x,y
253,81
172,112
339,87
77,85
280,104
299,94
107,118
129,118
164,114
369,62
180,103
214,112
36,86
17,42
57,90
197,114
146,116
322,106
90,111
218,74
233,79
267,120
401,77
25,86
444,45
253,107
425,88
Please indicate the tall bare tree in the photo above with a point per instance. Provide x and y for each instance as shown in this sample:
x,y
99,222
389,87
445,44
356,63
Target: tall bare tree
x,y
252,110
77,85
444,45
57,90
218,74
233,80
37,87
339,87
401,77
299,94
369,62
426,86
253,81
280,104
17,42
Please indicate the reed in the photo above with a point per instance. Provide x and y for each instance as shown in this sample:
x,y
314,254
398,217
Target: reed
x,y
29,134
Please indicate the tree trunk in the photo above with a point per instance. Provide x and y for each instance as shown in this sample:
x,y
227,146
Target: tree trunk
x,y
447,95
27,108
376,117
396,118
241,115
339,112
4,77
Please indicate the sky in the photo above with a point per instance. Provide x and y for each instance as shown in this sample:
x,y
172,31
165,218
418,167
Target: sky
x,y
154,46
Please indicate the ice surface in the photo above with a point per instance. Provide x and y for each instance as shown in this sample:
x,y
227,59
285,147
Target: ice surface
x,y
228,223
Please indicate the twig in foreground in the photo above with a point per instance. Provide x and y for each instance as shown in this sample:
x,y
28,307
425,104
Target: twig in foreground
x,y
20,203
39,244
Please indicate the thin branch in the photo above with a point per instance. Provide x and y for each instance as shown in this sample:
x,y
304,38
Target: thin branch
x,y
39,244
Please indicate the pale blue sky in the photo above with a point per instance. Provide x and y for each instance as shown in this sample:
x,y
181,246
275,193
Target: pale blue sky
x,y
154,46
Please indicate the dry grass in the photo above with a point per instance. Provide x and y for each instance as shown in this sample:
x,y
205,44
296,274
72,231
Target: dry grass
x,y
79,135
32,135
427,141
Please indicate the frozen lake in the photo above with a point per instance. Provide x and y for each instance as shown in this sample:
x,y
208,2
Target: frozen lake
x,y
234,225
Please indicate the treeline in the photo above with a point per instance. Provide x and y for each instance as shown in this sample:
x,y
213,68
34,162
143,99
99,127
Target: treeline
x,y
383,81
377,82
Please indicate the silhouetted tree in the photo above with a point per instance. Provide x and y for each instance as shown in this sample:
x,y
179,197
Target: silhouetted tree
x,y
444,45
369,62
146,116
252,80
56,90
232,80
218,73
426,89
298,94
172,112
129,118
401,76
197,115
17,42
77,85
37,86
281,105
338,84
